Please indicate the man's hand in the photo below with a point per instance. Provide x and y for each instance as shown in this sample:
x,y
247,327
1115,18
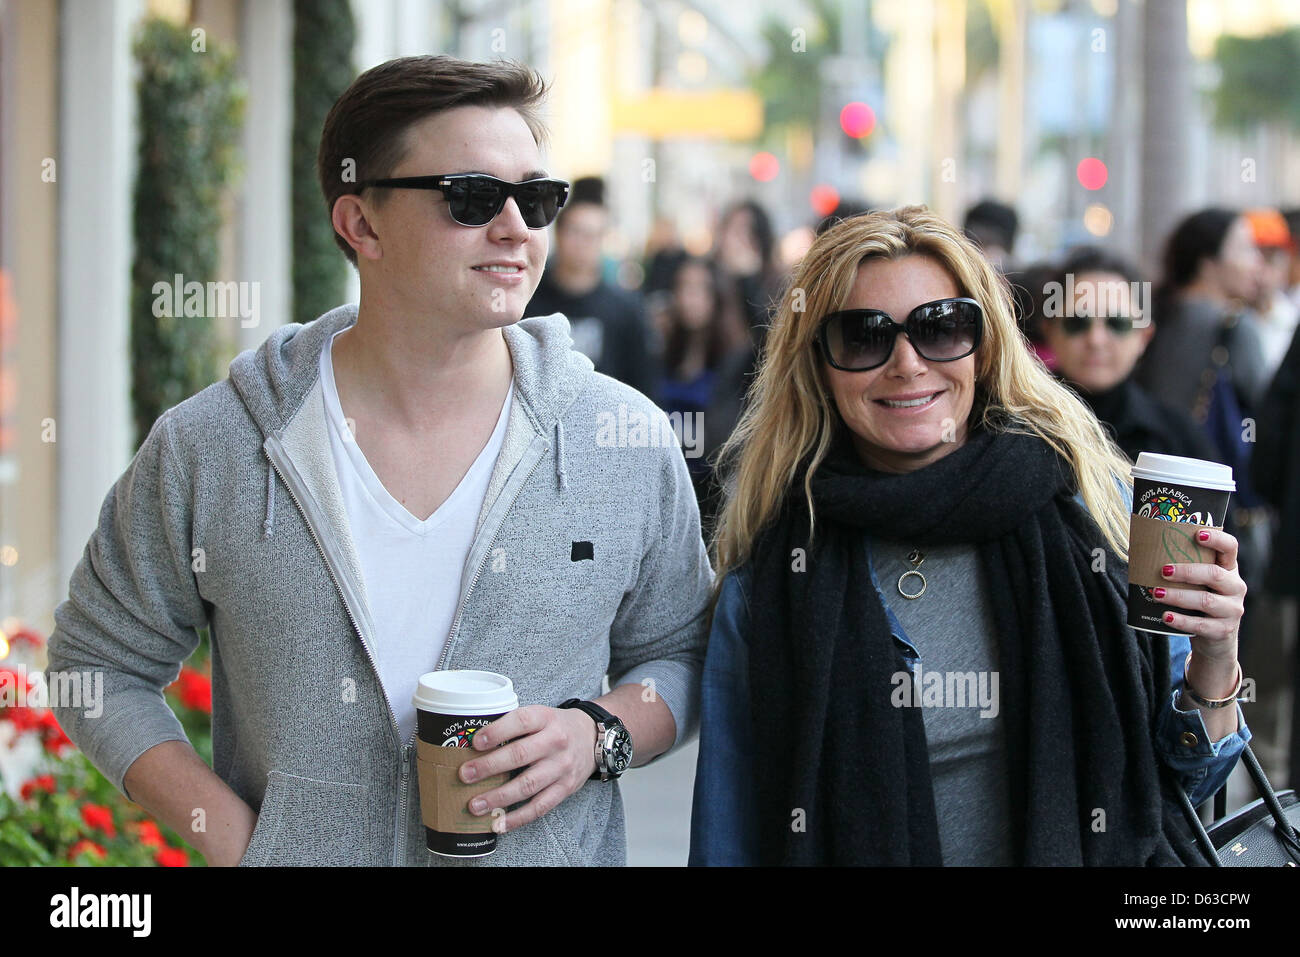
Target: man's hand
x,y
556,747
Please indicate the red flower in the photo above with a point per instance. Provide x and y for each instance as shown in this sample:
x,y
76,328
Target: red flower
x,y
26,634
99,817
172,857
85,845
55,740
149,834
23,719
43,783
195,690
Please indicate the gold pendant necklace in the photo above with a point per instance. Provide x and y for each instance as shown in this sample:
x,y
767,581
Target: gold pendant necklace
x,y
914,558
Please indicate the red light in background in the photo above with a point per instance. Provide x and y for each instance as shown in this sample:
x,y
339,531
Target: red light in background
x,y
857,120
824,199
1092,173
764,167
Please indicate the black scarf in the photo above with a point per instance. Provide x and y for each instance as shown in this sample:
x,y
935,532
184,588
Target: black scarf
x,y
843,775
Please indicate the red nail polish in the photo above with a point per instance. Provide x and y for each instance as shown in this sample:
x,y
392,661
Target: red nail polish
x,y
1203,536
1158,592
1169,618
1168,569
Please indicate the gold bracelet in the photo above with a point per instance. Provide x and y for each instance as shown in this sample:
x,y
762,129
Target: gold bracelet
x,y
1209,702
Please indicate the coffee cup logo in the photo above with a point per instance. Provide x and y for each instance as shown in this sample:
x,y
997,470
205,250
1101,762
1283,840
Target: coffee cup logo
x,y
460,734
1171,505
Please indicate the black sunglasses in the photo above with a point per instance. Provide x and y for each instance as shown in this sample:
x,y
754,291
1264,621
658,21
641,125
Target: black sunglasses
x,y
475,199
854,340
1077,325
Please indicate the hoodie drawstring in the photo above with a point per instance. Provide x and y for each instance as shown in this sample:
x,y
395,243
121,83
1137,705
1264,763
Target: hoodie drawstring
x,y
270,501
559,455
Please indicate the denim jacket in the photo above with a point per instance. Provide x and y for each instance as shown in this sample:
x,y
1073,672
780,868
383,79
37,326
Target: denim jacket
x,y
723,812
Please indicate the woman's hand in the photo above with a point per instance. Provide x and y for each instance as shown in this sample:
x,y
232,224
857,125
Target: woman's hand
x,y
556,747
1212,670
1214,637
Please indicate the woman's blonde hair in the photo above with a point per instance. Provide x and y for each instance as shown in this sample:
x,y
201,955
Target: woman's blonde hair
x,y
791,418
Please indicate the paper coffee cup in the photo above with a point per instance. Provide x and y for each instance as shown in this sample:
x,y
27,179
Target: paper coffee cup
x,y
449,707
1173,499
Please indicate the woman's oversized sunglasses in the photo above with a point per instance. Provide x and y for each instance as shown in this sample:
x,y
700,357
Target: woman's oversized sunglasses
x,y
855,340
475,199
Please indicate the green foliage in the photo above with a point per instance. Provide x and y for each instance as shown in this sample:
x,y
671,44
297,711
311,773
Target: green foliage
x,y
323,35
1260,80
790,83
191,112
47,828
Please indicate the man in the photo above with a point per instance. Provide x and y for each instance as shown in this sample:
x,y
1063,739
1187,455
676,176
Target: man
x,y
449,506
608,325
1272,310
992,226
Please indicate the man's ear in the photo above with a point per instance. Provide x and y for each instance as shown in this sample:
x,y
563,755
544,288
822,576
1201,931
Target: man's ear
x,y
350,221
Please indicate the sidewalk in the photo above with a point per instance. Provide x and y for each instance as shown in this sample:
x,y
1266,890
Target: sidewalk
x,y
657,804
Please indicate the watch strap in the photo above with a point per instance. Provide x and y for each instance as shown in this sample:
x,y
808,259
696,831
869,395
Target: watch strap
x,y
603,720
598,714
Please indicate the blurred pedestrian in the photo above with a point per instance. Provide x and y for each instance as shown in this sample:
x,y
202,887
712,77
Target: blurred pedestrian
x,y
1292,217
1028,290
695,347
844,209
1276,472
608,324
745,252
1097,339
1211,267
992,226
1272,310
750,278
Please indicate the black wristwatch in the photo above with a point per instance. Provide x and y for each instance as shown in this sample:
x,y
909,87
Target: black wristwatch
x,y
613,742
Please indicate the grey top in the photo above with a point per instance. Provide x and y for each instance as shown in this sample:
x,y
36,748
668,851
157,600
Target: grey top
x,y
956,686
240,476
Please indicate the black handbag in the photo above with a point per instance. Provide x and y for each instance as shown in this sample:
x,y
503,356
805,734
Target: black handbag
x,y
1261,834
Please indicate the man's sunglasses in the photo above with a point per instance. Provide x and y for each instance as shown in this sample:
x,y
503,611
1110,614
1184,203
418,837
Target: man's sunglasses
x,y
945,330
1077,325
474,199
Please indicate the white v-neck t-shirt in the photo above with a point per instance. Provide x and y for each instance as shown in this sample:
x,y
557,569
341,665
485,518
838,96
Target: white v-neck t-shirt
x,y
411,568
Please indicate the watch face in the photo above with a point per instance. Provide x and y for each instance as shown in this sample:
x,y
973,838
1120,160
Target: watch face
x,y
618,750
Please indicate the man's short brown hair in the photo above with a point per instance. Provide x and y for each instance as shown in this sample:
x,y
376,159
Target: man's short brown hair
x,y
368,123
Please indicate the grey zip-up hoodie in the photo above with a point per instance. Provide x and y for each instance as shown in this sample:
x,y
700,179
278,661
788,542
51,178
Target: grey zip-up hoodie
x,y
199,531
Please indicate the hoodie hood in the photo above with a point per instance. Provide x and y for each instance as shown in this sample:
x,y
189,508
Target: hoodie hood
x,y
274,379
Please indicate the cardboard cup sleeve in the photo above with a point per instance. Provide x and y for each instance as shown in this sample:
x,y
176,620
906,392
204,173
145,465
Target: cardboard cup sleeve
x,y
1155,543
444,797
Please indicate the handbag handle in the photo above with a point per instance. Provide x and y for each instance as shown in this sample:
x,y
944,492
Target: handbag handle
x,y
1282,827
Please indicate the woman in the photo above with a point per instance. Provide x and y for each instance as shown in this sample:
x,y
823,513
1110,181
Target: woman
x,y
1211,270
1098,340
695,347
937,497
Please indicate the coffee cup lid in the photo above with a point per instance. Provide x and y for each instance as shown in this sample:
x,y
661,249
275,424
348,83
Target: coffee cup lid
x,y
1179,470
465,692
